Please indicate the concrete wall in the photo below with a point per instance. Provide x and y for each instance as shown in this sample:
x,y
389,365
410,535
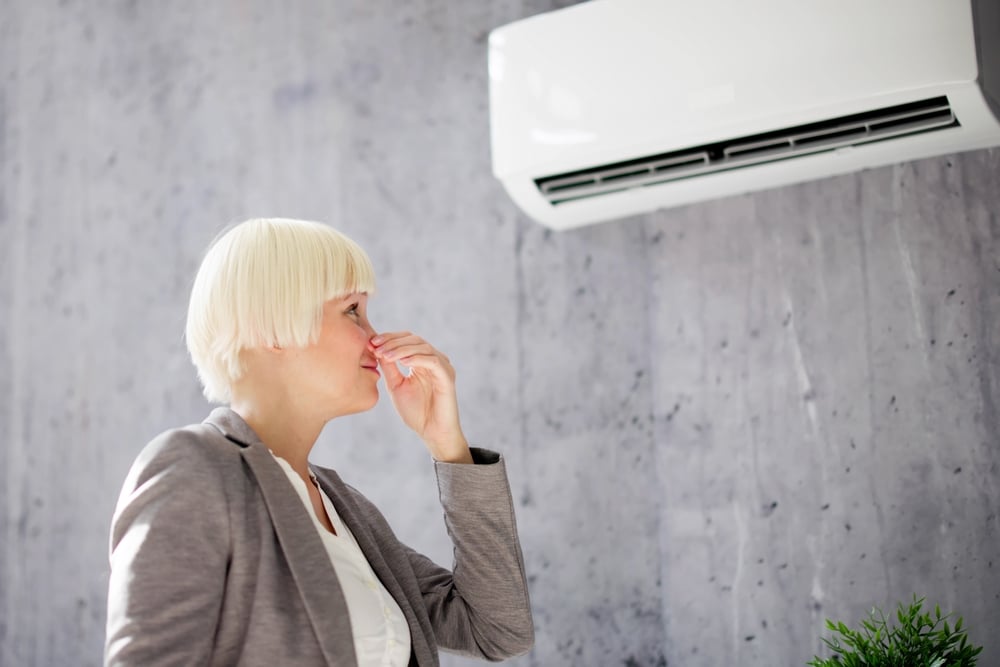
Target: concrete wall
x,y
723,423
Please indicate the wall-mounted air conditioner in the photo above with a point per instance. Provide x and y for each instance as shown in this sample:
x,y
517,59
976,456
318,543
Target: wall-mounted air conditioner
x,y
615,107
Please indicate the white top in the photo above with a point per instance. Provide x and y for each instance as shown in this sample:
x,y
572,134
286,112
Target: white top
x,y
381,635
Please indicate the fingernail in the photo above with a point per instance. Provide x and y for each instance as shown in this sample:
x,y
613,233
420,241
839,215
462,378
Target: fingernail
x,y
377,340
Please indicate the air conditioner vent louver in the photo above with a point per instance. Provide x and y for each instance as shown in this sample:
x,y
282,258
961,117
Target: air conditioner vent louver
x,y
828,135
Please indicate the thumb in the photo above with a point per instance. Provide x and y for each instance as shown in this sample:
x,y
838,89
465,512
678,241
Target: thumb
x,y
390,371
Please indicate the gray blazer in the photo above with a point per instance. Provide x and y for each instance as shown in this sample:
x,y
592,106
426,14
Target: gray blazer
x,y
215,561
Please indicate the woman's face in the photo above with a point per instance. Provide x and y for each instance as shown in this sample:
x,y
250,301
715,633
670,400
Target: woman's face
x,y
339,371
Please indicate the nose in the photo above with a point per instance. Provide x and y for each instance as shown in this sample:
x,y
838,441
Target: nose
x,y
369,329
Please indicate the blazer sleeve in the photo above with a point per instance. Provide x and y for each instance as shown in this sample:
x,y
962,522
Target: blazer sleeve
x,y
481,607
169,553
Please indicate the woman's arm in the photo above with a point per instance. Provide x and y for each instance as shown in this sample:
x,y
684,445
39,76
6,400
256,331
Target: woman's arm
x,y
169,551
481,607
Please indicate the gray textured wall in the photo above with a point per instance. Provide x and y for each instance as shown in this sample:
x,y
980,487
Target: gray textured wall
x,y
723,422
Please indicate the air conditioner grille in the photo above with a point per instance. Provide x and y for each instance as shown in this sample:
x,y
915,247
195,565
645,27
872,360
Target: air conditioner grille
x,y
828,135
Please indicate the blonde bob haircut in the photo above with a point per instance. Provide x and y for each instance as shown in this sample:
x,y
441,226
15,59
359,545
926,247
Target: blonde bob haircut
x,y
263,283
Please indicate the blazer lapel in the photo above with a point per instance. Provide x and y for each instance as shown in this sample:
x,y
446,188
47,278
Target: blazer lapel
x,y
339,496
304,550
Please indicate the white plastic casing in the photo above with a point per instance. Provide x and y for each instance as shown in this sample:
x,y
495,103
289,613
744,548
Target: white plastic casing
x,y
611,80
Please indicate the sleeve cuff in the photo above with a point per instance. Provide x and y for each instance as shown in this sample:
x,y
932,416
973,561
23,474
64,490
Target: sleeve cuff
x,y
480,456
485,478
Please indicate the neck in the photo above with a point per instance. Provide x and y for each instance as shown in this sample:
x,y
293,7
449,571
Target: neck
x,y
282,426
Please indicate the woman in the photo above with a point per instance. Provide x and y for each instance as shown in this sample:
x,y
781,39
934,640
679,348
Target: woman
x,y
229,548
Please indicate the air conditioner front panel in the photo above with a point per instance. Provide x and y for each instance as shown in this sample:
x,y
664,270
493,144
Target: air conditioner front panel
x,y
978,129
606,79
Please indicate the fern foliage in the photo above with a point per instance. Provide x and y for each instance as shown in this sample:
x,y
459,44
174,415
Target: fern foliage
x,y
920,639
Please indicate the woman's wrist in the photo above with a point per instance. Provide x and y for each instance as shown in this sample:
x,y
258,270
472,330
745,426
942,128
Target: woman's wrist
x,y
454,451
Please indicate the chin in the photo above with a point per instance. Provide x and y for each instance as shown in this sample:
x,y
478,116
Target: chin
x,y
370,403
361,405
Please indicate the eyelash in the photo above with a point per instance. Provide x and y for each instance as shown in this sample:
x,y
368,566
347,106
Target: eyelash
x,y
353,310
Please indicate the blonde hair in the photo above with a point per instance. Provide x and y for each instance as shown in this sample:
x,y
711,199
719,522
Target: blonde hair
x,y
263,283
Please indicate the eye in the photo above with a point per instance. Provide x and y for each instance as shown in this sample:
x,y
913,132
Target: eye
x,y
354,311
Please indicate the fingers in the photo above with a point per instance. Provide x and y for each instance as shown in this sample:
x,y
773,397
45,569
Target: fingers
x,y
391,373
401,346
425,399
433,363
410,350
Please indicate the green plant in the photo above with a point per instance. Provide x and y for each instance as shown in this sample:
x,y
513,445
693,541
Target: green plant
x,y
920,640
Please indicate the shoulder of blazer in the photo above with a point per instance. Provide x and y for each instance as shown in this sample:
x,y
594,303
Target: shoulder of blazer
x,y
198,449
203,440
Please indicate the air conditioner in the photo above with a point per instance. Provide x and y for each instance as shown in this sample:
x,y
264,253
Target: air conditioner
x,y
616,107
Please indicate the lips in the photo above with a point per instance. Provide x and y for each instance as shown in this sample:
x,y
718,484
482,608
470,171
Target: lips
x,y
372,366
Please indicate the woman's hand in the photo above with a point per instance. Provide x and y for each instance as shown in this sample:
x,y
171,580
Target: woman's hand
x,y
426,398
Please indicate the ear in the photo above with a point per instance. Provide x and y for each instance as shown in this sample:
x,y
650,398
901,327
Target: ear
x,y
251,355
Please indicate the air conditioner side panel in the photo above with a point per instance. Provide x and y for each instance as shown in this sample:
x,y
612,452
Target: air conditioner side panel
x,y
987,23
